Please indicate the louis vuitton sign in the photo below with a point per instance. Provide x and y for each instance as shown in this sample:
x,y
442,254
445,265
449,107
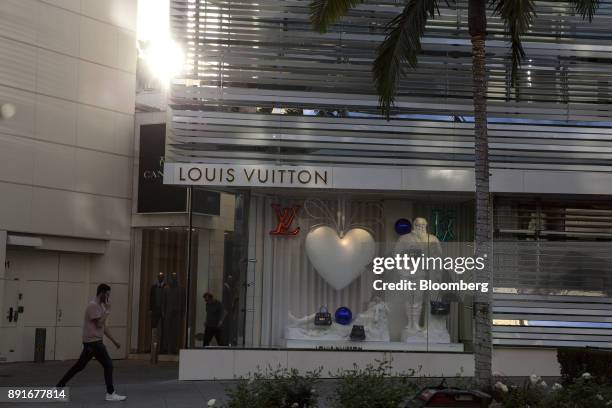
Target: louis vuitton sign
x,y
247,175
332,177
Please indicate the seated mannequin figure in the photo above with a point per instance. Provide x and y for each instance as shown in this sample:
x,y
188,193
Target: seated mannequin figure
x,y
373,319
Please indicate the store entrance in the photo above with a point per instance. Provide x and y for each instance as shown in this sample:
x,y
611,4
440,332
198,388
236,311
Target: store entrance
x,y
178,266
163,289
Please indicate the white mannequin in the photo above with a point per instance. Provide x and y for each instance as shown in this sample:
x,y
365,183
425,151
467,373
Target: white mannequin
x,y
303,328
373,319
417,242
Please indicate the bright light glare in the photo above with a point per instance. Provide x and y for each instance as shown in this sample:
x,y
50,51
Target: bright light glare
x,y
163,56
165,59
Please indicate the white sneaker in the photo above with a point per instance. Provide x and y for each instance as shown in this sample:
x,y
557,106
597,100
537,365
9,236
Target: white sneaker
x,y
115,397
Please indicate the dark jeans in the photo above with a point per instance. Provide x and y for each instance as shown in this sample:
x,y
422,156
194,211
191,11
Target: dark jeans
x,y
94,349
210,332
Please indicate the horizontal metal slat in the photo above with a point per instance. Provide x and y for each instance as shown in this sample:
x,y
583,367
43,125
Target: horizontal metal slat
x,y
550,330
550,343
556,336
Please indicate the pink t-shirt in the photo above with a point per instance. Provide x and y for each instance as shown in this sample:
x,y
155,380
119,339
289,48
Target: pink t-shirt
x,y
91,331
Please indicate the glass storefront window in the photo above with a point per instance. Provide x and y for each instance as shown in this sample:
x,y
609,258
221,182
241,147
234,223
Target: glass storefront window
x,y
295,269
163,289
283,266
268,266
172,307
218,270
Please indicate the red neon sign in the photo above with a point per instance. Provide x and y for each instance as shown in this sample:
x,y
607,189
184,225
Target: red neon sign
x,y
284,218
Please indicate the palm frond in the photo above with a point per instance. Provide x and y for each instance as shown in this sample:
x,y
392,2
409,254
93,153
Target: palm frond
x,y
586,8
400,48
518,16
324,13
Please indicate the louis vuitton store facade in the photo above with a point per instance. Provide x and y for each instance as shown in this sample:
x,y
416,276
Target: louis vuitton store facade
x,y
279,256
306,254
311,249
285,121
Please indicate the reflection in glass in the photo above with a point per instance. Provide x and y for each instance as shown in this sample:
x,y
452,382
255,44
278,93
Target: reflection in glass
x,y
162,282
219,264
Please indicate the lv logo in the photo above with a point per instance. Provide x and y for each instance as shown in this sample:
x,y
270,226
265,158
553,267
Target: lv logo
x,y
284,218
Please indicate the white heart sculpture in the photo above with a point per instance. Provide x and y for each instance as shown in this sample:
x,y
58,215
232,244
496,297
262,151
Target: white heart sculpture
x,y
339,260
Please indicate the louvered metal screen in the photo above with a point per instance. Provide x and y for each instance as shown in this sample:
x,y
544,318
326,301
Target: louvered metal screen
x,y
552,321
553,272
261,86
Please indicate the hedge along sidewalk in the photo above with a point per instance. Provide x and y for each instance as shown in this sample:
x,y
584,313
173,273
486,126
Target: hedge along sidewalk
x,y
371,387
576,361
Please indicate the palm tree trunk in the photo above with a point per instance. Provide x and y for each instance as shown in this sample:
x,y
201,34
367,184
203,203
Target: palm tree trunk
x,y
477,21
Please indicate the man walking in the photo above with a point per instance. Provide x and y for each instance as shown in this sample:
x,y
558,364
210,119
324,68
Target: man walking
x,y
94,329
214,318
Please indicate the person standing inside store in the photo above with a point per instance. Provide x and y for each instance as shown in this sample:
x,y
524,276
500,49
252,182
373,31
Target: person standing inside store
x,y
94,329
172,310
214,319
156,312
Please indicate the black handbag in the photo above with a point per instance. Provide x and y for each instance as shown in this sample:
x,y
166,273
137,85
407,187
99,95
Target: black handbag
x,y
358,333
440,308
323,317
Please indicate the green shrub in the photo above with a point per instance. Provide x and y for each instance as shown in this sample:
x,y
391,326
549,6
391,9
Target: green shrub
x,y
275,388
372,387
575,361
531,393
582,393
585,391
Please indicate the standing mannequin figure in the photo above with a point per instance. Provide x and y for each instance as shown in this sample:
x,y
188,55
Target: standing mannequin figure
x,y
418,242
156,310
172,301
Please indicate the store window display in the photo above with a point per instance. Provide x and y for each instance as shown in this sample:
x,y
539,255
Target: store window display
x,y
328,266
420,328
273,285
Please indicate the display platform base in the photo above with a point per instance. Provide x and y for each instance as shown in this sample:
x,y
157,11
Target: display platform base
x,y
229,363
373,345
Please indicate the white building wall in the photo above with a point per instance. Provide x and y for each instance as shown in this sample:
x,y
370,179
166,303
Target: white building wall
x,y
66,156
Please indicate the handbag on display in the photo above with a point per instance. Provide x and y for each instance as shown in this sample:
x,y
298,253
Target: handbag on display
x,y
358,333
323,317
440,308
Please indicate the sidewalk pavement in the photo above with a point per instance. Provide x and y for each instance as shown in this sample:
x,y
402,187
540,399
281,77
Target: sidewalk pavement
x,y
146,385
